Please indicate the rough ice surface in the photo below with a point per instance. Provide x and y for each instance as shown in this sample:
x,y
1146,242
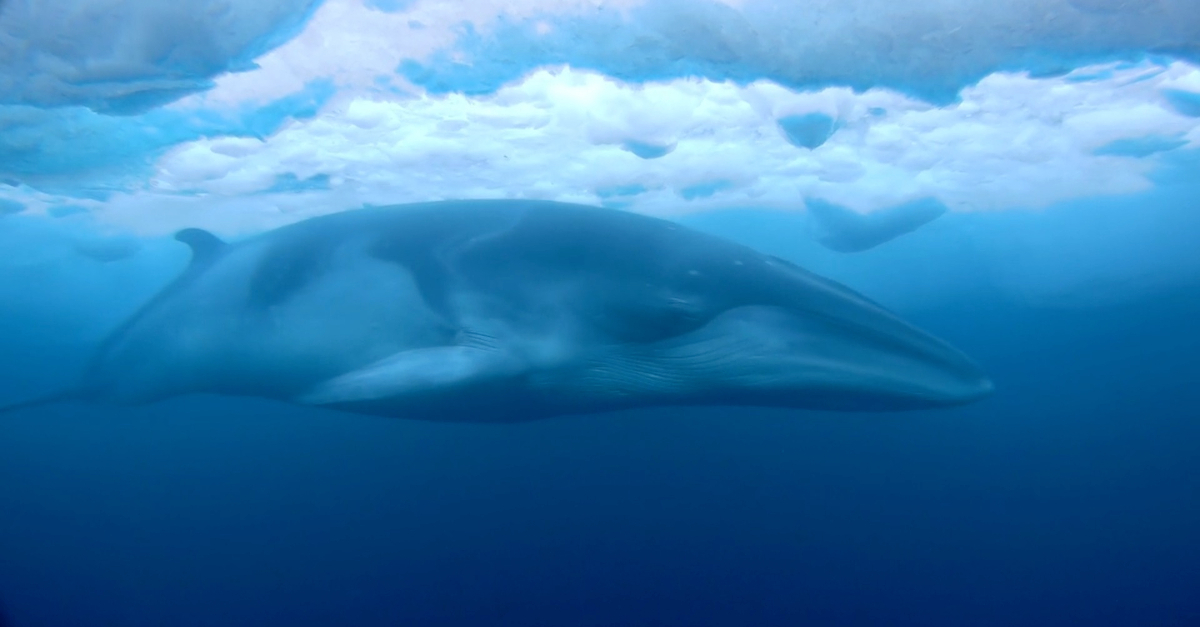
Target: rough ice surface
x,y
125,56
1011,142
76,151
930,50
141,118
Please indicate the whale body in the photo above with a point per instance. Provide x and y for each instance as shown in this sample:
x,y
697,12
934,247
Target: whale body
x,y
512,310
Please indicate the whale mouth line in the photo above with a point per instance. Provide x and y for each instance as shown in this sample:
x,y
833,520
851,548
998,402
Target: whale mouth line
x,y
772,355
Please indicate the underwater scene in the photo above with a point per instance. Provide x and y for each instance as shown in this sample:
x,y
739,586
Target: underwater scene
x,y
599,313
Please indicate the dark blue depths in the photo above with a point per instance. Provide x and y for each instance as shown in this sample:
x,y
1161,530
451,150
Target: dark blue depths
x,y
1071,497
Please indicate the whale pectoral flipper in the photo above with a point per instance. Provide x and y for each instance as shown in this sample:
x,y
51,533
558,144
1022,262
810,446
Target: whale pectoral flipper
x,y
420,370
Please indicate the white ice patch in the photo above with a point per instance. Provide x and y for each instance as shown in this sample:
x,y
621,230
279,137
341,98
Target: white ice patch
x,y
1012,142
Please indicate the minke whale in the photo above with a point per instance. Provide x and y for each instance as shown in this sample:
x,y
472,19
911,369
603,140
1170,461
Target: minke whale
x,y
514,310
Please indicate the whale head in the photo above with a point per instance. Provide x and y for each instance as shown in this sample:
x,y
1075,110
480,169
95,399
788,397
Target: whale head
x,y
776,335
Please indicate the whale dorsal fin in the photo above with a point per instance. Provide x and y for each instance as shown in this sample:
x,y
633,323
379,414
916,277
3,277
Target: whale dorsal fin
x,y
204,245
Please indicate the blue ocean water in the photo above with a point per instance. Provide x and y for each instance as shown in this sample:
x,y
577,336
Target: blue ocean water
x,y
1071,496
